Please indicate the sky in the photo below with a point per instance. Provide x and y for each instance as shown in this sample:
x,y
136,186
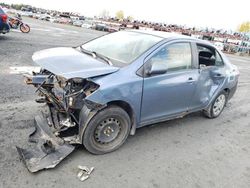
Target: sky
x,y
218,14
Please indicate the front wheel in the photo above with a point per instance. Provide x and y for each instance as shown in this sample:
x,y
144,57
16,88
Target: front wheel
x,y
217,105
107,130
25,28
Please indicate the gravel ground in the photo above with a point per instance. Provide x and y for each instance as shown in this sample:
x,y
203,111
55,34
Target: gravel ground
x,y
189,152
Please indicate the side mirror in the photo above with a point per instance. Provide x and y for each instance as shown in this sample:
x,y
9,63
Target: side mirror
x,y
157,67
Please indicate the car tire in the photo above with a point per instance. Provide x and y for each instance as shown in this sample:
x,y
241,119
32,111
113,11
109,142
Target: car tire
x,y
217,105
107,130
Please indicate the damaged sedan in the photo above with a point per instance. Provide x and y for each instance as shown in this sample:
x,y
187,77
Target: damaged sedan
x,y
99,93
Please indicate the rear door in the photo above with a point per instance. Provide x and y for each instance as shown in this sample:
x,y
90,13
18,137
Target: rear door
x,y
211,76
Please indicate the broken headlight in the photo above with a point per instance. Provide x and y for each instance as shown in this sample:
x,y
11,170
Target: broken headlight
x,y
78,80
77,90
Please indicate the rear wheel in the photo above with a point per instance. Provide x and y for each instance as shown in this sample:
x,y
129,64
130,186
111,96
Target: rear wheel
x,y
107,130
217,105
25,28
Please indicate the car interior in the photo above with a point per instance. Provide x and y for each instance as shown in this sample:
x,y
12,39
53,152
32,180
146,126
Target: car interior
x,y
207,56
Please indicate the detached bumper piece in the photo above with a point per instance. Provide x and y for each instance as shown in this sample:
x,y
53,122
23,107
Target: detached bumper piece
x,y
49,149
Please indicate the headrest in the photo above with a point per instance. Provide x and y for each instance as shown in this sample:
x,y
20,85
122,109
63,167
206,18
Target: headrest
x,y
205,54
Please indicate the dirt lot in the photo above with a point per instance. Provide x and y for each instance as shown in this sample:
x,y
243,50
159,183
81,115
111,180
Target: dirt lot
x,y
190,152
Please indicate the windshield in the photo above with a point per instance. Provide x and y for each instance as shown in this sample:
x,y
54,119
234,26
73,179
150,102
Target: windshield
x,y
122,47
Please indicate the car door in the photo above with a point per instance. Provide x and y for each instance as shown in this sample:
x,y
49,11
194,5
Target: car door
x,y
166,94
211,76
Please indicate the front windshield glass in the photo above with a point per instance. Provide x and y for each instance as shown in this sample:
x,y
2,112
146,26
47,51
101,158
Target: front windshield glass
x,y
122,47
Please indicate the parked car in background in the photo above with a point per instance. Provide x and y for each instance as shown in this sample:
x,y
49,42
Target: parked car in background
x,y
101,27
81,18
78,23
100,92
88,24
63,20
52,19
36,16
4,26
45,17
219,45
26,13
111,29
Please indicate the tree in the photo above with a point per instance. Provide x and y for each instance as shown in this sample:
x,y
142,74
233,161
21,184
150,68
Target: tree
x,y
17,6
104,14
120,15
130,18
244,27
4,5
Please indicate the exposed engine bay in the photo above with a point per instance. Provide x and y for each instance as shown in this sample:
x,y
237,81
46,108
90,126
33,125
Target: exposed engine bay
x,y
59,125
65,98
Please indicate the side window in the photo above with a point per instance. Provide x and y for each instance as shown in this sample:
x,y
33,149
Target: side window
x,y
209,56
218,59
174,57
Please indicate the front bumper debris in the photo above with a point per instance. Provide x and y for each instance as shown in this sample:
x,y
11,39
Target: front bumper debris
x,y
49,150
84,172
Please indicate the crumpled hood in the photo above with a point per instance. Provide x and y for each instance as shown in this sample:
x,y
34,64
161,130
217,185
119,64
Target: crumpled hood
x,y
70,63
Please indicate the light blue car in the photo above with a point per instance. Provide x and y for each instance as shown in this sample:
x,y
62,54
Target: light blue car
x,y
102,91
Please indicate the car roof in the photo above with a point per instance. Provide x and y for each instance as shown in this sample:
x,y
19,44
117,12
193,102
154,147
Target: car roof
x,y
159,33
168,35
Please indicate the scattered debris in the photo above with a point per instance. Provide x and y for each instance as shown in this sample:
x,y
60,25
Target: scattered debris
x,y
84,172
48,150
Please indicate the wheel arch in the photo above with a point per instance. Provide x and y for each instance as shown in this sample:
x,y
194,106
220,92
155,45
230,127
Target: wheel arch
x,y
227,90
126,106
208,111
87,113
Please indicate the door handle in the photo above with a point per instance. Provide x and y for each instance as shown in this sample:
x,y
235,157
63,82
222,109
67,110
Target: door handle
x,y
218,76
190,80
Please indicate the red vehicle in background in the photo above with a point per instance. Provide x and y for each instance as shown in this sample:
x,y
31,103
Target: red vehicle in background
x,y
4,26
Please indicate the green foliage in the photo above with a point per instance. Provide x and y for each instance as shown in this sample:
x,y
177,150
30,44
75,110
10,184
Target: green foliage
x,y
17,6
4,5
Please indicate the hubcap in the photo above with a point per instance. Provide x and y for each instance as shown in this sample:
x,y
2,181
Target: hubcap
x,y
219,104
107,131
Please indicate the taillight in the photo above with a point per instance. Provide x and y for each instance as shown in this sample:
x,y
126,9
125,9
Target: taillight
x,y
4,17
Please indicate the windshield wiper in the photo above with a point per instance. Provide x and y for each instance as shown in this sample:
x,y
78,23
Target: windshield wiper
x,y
95,54
103,58
87,52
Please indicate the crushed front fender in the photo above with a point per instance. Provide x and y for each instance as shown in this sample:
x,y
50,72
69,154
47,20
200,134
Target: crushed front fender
x,y
49,150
